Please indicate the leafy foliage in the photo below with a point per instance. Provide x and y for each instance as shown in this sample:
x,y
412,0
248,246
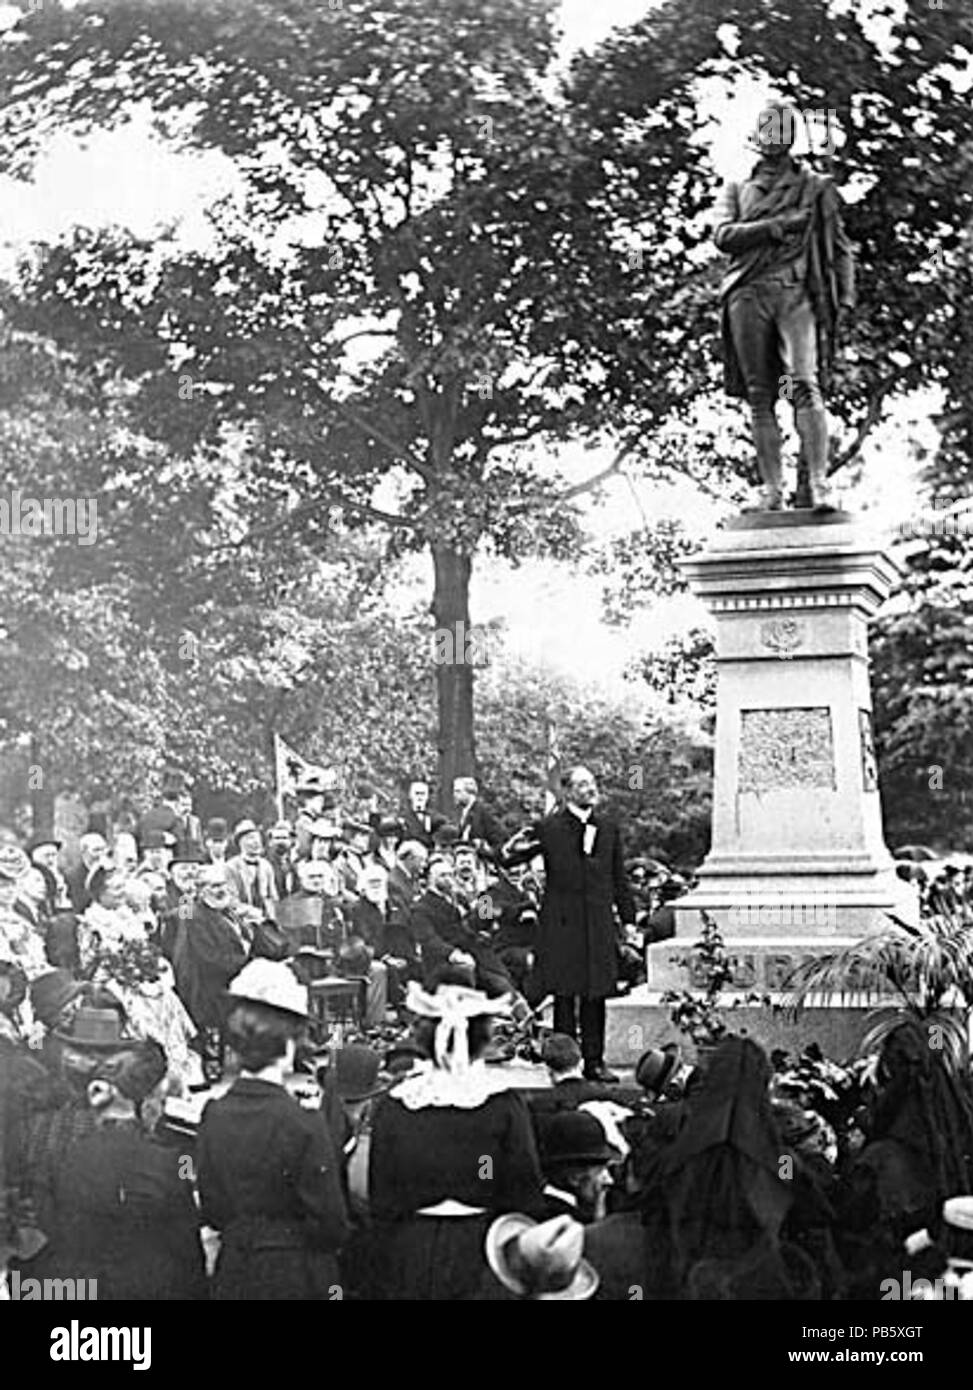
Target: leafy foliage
x,y
697,1013
928,967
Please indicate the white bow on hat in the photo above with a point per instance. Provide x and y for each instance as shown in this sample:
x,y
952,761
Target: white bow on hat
x,y
453,1006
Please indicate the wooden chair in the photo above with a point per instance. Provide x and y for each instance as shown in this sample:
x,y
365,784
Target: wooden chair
x,y
336,1000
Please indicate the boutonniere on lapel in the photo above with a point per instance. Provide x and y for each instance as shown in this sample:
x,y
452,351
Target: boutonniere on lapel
x,y
588,840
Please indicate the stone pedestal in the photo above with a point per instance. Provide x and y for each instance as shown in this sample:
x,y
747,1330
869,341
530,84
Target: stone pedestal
x,y
798,864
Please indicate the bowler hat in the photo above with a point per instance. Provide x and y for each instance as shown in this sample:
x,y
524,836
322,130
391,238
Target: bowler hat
x,y
158,839
36,841
655,1066
573,1139
273,984
217,828
51,993
189,852
541,1261
357,1073
388,825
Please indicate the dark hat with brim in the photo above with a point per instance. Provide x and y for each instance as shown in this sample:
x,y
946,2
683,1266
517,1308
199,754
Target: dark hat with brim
x,y
158,839
37,841
217,829
188,852
358,1073
573,1139
654,1068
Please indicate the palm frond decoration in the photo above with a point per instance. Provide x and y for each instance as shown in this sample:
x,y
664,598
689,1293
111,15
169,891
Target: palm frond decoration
x,y
924,972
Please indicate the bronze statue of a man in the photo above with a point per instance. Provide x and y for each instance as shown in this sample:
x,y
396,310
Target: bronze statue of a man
x,y
790,281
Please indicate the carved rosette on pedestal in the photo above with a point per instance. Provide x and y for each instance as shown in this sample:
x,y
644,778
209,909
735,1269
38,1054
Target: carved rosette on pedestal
x,y
798,863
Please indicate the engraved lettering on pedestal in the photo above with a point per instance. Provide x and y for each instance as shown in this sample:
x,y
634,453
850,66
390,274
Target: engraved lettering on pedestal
x,y
698,974
785,748
744,972
782,635
778,970
869,765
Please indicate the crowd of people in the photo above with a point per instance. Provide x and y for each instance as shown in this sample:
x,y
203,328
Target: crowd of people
x,y
944,893
183,1115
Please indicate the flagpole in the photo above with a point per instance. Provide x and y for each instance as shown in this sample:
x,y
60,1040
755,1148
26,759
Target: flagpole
x,y
553,757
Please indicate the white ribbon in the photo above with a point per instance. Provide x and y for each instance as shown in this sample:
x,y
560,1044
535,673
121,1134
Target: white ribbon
x,y
453,1006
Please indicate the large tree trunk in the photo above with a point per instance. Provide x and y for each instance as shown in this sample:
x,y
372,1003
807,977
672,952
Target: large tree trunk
x,y
453,652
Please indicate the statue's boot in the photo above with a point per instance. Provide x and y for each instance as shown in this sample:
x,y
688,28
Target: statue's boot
x,y
812,428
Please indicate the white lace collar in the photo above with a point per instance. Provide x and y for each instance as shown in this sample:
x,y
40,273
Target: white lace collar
x,y
432,1086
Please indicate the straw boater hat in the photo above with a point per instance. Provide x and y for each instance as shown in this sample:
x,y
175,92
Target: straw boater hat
x,y
244,827
541,1261
273,984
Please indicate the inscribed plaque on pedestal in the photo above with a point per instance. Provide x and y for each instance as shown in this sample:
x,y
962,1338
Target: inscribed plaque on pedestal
x,y
781,749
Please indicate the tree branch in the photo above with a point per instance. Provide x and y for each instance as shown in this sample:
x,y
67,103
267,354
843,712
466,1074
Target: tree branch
x,y
367,333
308,509
872,416
398,450
578,488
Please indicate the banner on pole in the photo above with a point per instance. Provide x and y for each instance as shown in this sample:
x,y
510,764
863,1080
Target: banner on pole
x,y
552,792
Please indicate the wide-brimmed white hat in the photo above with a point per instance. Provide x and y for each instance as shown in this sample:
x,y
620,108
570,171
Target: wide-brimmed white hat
x,y
958,1212
540,1260
272,983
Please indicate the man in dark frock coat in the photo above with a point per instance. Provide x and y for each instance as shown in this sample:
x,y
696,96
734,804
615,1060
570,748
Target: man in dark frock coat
x,y
577,936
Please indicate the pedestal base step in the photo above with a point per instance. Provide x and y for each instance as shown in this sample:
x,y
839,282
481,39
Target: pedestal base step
x,y
640,1020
